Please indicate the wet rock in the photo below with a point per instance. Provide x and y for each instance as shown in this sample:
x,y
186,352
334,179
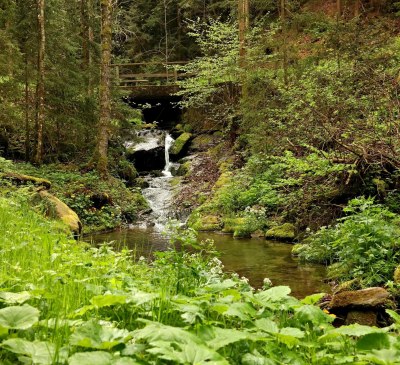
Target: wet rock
x,y
285,232
148,160
21,179
180,144
258,234
365,298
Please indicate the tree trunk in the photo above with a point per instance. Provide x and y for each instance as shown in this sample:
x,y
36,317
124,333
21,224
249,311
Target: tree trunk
x,y
100,157
243,20
27,106
339,9
40,89
284,41
357,8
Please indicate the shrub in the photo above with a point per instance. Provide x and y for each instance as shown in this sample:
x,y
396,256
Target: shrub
x,y
363,245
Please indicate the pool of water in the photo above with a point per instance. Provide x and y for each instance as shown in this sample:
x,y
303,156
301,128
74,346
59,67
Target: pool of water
x,y
254,259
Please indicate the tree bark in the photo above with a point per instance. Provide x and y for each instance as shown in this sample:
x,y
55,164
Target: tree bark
x,y
339,8
40,88
284,41
243,20
100,157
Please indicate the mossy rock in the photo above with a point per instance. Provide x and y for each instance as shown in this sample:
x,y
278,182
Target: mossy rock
x,y
240,227
285,232
21,179
205,223
184,169
127,171
59,210
202,142
180,143
396,276
298,249
223,180
232,224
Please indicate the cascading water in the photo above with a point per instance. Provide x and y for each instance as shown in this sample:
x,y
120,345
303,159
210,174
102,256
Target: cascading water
x,y
168,144
159,192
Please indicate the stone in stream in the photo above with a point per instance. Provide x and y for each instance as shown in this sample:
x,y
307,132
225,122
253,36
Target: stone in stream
x,y
285,232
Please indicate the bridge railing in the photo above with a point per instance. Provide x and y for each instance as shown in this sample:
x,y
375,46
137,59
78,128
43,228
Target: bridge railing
x,y
128,75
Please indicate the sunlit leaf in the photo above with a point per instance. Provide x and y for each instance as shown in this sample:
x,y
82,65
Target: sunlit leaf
x,y
108,300
93,335
374,341
15,298
40,352
19,318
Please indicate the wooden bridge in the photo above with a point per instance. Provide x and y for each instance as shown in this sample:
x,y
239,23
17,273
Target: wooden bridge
x,y
148,74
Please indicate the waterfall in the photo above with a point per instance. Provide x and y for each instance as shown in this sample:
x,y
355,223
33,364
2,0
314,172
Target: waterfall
x,y
168,144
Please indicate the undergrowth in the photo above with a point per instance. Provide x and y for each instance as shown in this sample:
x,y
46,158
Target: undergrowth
x,y
66,302
363,245
100,204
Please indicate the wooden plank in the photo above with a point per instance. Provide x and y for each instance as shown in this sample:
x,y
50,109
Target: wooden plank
x,y
149,63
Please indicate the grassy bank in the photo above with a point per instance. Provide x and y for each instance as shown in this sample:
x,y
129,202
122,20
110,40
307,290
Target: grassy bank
x,y
66,302
100,204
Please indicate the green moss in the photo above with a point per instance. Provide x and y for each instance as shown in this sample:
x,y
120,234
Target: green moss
x,y
285,232
202,142
380,186
180,143
233,224
184,168
205,223
22,179
396,276
297,249
59,210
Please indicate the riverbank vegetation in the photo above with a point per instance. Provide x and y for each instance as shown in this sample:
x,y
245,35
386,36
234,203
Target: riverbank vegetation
x,y
67,302
286,119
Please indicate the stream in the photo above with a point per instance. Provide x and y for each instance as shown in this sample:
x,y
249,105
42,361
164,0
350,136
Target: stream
x,y
254,259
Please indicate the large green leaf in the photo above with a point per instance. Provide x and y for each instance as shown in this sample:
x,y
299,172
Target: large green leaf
x,y
187,354
224,337
374,341
108,300
308,314
159,332
95,336
40,352
99,358
19,318
275,294
15,298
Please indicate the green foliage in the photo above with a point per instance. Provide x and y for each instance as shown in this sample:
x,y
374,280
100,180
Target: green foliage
x,y
362,245
100,204
90,305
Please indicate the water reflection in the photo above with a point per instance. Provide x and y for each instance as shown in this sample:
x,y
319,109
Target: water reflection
x,y
252,258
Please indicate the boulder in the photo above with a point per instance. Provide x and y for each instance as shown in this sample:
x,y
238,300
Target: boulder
x,y
360,299
180,144
285,232
206,223
59,210
21,179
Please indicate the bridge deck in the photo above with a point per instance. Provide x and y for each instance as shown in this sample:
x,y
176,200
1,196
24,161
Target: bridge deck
x,y
148,74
